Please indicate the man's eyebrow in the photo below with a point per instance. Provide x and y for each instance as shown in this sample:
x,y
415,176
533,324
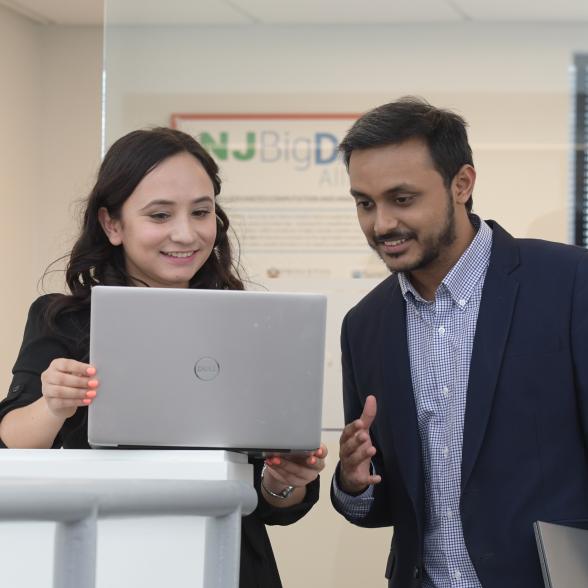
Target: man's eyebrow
x,y
357,194
401,189
394,191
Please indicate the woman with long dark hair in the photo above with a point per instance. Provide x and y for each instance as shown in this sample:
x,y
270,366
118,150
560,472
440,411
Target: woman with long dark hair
x,y
152,219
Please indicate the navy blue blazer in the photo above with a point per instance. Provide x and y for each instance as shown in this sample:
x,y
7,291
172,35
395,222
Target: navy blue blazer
x,y
526,418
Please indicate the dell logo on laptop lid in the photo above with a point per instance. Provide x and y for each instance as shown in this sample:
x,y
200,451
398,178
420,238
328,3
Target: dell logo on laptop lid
x,y
206,369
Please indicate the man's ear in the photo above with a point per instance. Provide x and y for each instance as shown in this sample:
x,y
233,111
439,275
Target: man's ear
x,y
462,184
110,226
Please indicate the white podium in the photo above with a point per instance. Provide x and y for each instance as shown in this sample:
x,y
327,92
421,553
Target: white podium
x,y
120,519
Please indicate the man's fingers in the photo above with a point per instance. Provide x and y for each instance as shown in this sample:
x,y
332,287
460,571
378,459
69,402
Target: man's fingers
x,y
357,456
351,430
364,422
356,450
357,480
350,444
369,411
360,459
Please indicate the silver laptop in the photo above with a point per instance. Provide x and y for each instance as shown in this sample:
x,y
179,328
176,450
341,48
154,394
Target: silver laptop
x,y
207,369
563,551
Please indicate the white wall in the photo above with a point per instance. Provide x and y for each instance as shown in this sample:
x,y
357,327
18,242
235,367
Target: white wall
x,y
69,134
20,102
49,149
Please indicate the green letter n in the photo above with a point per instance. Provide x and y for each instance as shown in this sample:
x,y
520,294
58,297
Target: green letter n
x,y
220,149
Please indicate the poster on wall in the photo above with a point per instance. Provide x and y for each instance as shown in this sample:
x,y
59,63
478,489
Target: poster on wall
x,y
286,191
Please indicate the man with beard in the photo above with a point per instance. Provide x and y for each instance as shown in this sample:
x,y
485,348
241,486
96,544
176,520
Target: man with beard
x,y
465,373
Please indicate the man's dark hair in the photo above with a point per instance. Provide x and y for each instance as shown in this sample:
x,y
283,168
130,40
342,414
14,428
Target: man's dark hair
x,y
443,131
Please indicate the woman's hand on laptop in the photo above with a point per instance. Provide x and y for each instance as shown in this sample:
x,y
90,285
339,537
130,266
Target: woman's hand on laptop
x,y
68,384
297,471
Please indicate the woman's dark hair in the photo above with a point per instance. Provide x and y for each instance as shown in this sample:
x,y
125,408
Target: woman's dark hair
x,y
443,131
94,260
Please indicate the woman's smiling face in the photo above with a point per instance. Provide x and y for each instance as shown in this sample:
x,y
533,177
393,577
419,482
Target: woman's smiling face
x,y
167,226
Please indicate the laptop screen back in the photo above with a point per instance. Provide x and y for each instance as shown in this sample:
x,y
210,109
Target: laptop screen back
x,y
207,368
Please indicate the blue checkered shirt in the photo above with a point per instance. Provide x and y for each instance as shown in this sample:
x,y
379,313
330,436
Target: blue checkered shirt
x,y
440,337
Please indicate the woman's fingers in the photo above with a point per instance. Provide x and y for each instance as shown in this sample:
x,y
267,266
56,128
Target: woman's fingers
x,y
297,470
320,454
293,472
289,478
68,381
72,366
65,393
62,403
68,374
68,384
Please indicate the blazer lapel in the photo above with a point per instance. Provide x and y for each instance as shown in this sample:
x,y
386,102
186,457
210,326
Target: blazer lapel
x,y
397,405
492,328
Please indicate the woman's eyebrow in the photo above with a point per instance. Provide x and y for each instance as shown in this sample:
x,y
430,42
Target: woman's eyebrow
x,y
164,202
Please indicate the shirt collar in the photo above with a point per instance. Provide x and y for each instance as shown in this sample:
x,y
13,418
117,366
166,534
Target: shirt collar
x,y
462,278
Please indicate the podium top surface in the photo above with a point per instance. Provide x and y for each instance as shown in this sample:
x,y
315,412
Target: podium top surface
x,y
124,464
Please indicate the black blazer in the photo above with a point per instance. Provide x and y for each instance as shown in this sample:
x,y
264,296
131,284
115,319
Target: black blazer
x,y
40,347
526,419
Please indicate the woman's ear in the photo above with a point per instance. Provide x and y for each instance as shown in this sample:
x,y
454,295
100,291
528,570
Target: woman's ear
x,y
110,226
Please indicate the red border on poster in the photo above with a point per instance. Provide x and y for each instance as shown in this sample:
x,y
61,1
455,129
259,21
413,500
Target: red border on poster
x,y
175,117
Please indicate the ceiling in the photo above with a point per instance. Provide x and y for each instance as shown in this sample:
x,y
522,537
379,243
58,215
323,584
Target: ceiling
x,y
210,12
